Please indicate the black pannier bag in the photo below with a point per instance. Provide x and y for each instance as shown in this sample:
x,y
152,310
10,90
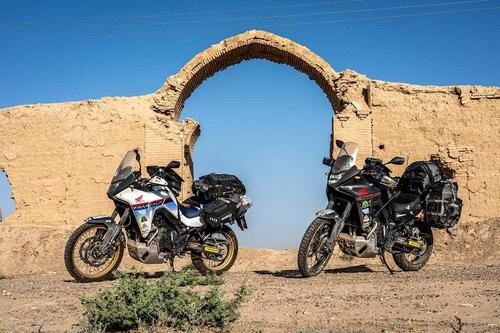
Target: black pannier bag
x,y
219,211
419,177
443,207
216,185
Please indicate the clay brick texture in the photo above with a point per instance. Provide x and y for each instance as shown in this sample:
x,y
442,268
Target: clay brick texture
x,y
60,157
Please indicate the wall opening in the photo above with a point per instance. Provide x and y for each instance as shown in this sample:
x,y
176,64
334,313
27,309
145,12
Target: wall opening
x,y
7,204
271,126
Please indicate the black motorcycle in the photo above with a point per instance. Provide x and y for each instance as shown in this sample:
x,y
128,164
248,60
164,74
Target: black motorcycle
x,y
370,213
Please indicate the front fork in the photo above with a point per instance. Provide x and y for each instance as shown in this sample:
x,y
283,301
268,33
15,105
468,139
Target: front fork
x,y
338,225
113,231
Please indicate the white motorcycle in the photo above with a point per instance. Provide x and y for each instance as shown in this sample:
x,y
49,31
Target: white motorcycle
x,y
156,227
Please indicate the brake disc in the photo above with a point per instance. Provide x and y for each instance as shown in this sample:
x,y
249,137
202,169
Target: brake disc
x,y
90,252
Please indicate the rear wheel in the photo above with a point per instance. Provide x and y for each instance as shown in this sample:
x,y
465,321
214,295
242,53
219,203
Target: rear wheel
x,y
415,261
219,254
314,253
83,259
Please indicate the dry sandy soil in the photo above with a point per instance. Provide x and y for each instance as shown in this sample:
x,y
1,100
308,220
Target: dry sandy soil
x,y
350,296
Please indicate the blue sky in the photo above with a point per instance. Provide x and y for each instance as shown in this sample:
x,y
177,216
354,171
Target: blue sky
x,y
264,122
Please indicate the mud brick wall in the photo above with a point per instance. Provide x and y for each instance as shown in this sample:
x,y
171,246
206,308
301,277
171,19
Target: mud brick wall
x,y
60,157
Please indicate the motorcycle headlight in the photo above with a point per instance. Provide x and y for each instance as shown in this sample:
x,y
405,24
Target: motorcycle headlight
x,y
332,179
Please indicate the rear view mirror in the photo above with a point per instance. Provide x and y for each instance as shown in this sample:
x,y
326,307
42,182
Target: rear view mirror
x,y
173,165
397,160
339,143
328,161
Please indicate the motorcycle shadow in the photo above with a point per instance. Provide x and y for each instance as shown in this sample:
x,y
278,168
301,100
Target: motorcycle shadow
x,y
295,274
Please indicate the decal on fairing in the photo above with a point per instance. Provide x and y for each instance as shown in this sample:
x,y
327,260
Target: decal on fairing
x,y
144,212
171,206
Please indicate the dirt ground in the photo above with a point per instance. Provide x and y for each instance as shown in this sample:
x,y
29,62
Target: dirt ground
x,y
350,296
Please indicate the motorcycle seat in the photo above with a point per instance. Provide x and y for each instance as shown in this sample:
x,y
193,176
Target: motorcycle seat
x,y
405,203
189,212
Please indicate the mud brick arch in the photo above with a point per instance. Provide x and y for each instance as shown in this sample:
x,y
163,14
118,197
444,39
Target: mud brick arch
x,y
256,44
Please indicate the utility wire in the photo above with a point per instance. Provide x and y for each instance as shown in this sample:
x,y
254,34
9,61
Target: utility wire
x,y
352,11
192,13
165,33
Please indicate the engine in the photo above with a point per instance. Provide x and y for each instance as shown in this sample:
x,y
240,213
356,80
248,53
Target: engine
x,y
158,245
166,234
359,245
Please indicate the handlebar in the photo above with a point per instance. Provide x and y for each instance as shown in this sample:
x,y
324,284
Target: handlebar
x,y
375,169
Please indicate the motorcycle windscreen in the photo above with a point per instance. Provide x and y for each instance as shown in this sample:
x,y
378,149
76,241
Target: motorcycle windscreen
x,y
346,157
124,175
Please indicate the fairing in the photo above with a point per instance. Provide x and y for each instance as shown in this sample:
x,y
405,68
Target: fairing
x,y
145,205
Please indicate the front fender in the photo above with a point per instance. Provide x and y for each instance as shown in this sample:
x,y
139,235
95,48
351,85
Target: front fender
x,y
101,219
112,230
328,214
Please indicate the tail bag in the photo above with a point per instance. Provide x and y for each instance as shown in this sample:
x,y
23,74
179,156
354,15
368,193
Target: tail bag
x,y
215,185
420,176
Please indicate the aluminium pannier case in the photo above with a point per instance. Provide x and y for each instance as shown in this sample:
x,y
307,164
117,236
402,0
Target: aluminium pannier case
x,y
216,185
443,207
419,177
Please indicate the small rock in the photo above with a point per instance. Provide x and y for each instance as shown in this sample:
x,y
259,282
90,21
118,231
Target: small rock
x,y
467,305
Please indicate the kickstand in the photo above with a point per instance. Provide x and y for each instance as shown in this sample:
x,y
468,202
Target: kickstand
x,y
382,258
171,261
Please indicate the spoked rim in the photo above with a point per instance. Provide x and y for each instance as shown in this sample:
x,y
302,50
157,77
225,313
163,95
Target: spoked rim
x,y
225,243
88,261
317,251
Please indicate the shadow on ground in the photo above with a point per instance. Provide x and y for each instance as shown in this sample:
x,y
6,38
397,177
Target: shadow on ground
x,y
294,274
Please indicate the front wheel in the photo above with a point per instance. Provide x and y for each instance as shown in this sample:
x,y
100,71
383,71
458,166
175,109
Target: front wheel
x,y
83,259
415,261
220,249
314,253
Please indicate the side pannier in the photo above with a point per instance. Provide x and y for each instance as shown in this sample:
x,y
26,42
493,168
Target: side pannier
x,y
219,211
443,207
226,210
215,185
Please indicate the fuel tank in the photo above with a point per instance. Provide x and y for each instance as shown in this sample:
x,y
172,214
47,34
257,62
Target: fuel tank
x,y
360,189
367,197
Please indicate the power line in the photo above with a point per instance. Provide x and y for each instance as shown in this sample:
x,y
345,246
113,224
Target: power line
x,y
192,13
414,6
165,33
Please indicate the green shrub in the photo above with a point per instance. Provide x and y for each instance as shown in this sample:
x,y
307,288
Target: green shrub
x,y
2,276
136,302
